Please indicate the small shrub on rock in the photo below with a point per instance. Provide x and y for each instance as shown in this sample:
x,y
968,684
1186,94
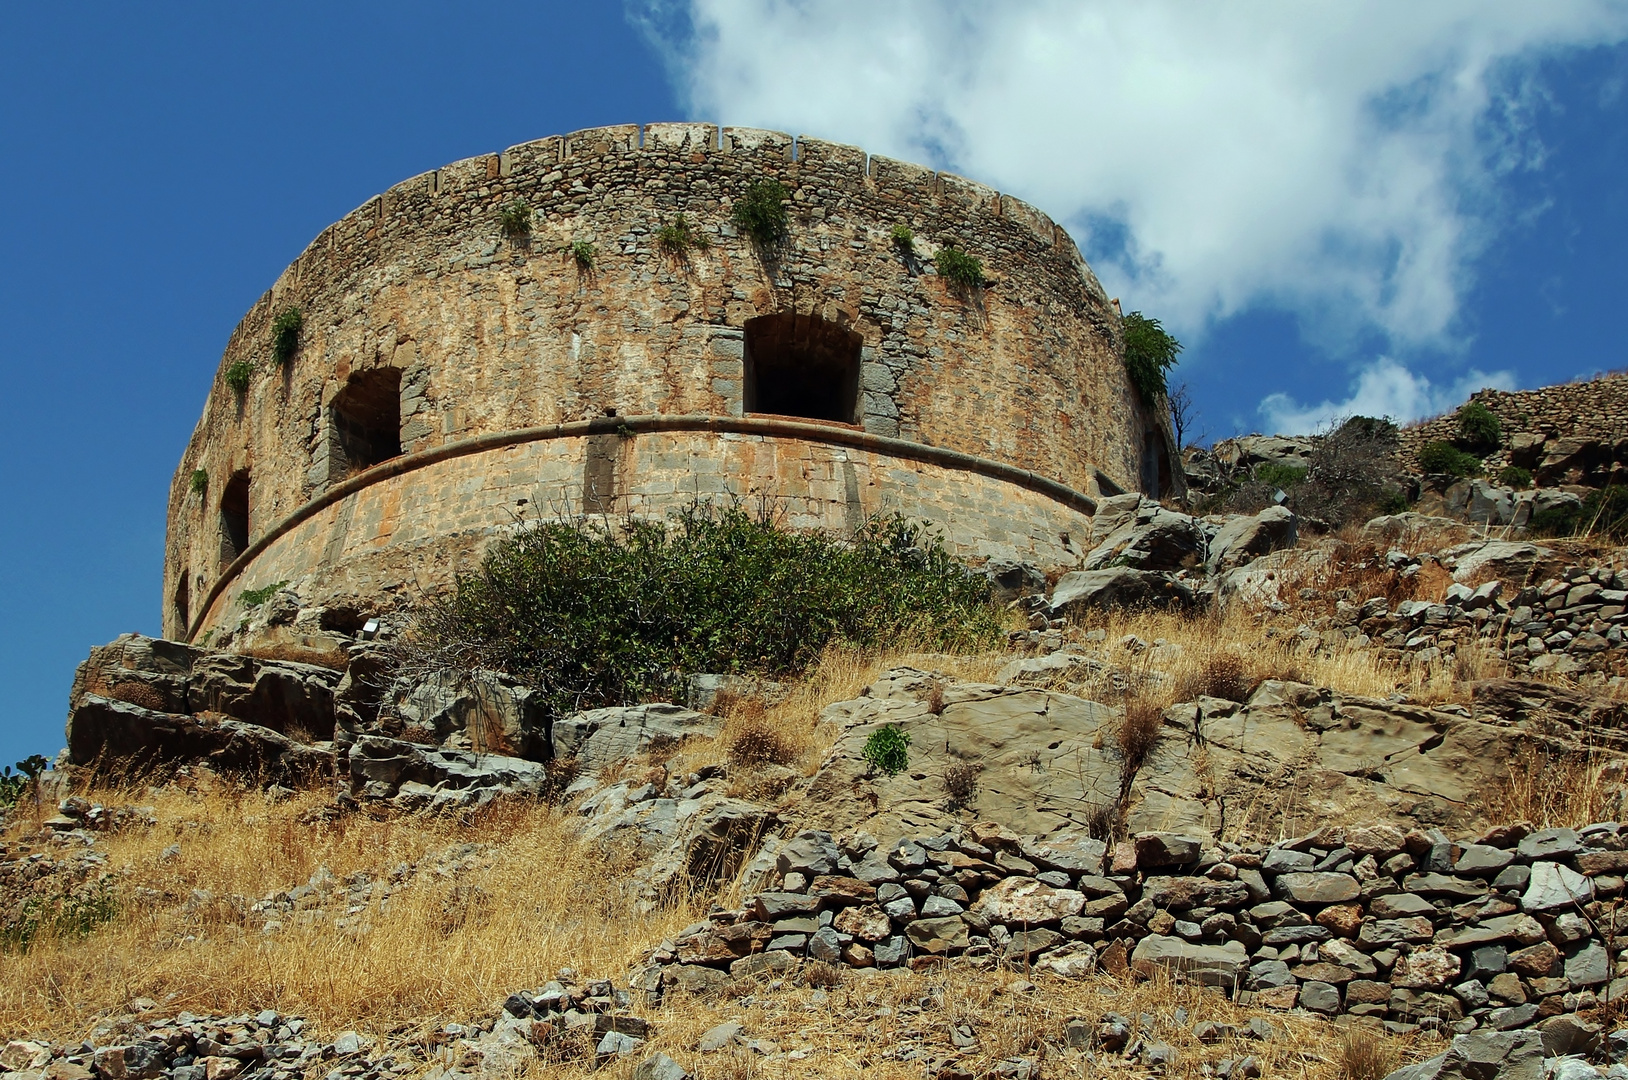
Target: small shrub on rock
x,y
515,218
960,269
585,254
200,481
1278,475
1515,477
887,749
1478,428
903,238
961,783
1444,457
678,238
238,375
1149,353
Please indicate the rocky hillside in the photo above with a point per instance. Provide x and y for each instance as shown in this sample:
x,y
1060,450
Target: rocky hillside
x,y
1232,801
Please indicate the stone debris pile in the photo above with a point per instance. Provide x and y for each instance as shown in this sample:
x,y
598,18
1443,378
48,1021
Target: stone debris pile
x,y
1498,932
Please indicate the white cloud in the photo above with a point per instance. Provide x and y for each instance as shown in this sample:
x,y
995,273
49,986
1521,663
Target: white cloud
x,y
1336,160
1383,388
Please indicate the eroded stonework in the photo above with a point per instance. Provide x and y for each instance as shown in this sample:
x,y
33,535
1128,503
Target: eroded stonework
x,y
427,324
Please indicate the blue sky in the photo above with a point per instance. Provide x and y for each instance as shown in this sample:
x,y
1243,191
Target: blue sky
x,y
1376,213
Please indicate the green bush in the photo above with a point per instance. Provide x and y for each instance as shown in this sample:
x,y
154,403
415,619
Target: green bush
x,y
1279,475
887,749
200,481
761,211
1514,476
239,374
253,598
903,238
1556,521
678,238
1603,514
14,785
1149,353
584,253
1478,429
958,268
515,217
1444,457
285,334
591,613
1392,501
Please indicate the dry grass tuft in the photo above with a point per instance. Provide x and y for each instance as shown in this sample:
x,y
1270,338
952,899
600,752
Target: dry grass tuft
x,y
1365,1054
1139,731
1554,785
961,783
750,738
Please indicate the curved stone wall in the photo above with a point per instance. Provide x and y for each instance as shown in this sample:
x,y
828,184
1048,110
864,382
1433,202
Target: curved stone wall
x,y
390,532
420,298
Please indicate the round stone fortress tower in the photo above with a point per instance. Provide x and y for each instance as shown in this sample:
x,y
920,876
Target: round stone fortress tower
x,y
450,374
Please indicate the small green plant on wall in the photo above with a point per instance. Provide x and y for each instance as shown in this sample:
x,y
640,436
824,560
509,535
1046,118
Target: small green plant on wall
x,y
285,333
903,238
239,374
1150,351
960,269
761,211
253,598
516,218
887,749
678,238
200,481
585,254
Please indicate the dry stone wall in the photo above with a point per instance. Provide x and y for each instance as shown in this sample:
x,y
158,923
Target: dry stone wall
x,y
1571,433
479,332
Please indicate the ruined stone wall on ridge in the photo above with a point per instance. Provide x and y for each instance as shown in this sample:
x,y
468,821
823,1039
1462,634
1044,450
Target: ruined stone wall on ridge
x,y
490,333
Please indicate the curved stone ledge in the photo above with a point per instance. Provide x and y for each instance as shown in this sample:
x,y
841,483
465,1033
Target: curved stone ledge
x,y
1066,498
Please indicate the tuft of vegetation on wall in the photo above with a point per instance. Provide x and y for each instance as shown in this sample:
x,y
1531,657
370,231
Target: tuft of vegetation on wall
x,y
585,254
678,238
200,481
960,269
903,238
1444,457
592,613
761,211
515,217
1478,428
1149,352
285,334
238,376
253,598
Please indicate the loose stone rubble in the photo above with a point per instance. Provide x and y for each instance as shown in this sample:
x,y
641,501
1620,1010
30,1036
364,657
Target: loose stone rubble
x,y
1496,932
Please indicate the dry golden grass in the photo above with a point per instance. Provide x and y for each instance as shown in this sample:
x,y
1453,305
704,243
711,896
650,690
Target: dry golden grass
x,y
446,944
1552,785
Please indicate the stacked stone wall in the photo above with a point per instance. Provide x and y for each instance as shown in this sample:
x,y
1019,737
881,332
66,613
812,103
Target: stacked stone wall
x,y
493,333
1570,433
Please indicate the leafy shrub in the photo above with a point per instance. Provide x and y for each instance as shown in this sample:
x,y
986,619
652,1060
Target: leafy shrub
x,y
1392,501
1444,457
584,253
200,481
761,211
285,334
1556,521
593,613
239,374
958,268
678,238
1279,475
1149,353
903,238
887,749
1514,476
1478,428
14,785
515,217
253,598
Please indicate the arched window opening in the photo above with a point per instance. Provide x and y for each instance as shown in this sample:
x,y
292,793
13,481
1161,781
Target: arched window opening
x,y
802,365
1156,478
234,517
183,614
366,422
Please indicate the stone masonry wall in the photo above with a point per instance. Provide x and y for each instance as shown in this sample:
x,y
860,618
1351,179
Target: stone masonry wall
x,y
491,333
392,537
1571,433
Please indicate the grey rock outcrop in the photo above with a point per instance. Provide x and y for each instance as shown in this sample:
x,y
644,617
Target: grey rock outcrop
x,y
1243,538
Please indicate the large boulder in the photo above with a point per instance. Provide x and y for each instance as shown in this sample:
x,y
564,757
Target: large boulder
x,y
477,710
1508,559
1209,965
1145,536
600,736
1120,586
104,732
1243,538
417,776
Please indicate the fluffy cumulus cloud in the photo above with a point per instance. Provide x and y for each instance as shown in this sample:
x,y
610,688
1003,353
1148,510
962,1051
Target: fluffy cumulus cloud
x,y
1338,161
1383,388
